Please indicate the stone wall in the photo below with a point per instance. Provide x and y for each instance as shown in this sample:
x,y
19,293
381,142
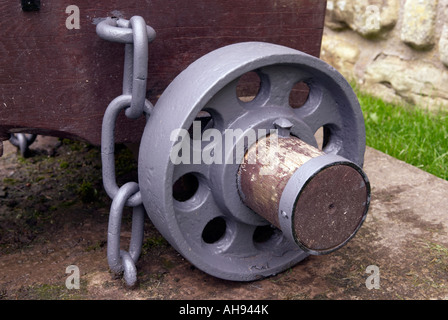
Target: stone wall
x,y
393,49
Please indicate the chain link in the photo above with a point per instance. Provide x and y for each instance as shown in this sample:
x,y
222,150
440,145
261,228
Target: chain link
x,y
121,260
136,35
108,146
119,30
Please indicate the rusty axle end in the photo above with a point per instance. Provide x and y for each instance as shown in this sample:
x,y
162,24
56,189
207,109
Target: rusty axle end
x,y
318,200
324,204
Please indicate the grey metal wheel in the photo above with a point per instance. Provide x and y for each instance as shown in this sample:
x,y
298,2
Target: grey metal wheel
x,y
209,224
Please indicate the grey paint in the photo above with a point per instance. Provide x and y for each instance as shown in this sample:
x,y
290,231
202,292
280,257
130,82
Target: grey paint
x,y
209,84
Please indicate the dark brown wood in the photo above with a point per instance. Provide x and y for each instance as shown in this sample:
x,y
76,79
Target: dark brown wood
x,y
328,209
57,81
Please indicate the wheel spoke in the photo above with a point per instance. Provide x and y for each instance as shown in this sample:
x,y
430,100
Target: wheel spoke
x,y
319,110
239,241
277,83
193,216
225,107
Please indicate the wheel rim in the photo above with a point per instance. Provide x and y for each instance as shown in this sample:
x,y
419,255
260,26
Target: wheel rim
x,y
210,226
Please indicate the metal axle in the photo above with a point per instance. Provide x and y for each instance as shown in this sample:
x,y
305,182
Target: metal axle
x,y
319,201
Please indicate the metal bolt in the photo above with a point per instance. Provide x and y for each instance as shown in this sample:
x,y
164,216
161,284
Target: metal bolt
x,y
283,126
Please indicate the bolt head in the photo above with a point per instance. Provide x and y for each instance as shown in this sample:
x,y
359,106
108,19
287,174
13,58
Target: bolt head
x,y
283,126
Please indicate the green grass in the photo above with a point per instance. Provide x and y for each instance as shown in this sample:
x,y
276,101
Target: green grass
x,y
411,134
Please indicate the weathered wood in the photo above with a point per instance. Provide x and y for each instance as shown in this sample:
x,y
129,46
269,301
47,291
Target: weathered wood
x,y
58,81
328,209
267,168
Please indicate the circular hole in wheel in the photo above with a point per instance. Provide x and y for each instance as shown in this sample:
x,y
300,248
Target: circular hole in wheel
x,y
323,136
185,187
319,136
299,95
267,237
327,139
263,233
248,86
202,122
214,230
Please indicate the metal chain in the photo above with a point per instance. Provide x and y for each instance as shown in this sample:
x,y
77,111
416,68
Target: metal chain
x,y
121,260
136,35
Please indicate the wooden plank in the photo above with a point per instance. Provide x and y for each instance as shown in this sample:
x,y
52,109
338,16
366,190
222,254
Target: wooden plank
x,y
57,81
